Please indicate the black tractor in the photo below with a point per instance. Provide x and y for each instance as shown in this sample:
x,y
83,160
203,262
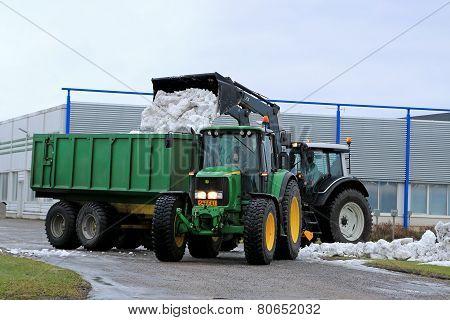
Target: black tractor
x,y
335,205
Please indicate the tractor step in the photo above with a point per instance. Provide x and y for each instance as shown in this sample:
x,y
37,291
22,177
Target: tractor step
x,y
311,223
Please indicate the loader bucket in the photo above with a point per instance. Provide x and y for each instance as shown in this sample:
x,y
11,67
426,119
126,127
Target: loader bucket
x,y
227,94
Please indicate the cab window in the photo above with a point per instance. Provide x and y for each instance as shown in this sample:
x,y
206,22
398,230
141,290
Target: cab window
x,y
335,165
267,156
316,166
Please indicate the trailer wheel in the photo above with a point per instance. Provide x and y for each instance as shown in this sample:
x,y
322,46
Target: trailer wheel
x,y
128,239
166,244
60,225
289,245
350,218
95,226
260,231
204,247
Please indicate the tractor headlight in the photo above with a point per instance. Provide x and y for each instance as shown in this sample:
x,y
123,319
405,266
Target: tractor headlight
x,y
200,195
214,195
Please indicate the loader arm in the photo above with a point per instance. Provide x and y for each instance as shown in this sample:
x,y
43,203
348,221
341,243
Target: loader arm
x,y
233,99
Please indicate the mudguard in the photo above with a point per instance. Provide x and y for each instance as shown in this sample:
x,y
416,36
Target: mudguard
x,y
278,188
337,186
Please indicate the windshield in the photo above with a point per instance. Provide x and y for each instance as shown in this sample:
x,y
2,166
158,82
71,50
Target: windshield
x,y
231,150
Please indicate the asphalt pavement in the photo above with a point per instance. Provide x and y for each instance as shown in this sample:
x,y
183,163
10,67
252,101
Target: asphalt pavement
x,y
139,275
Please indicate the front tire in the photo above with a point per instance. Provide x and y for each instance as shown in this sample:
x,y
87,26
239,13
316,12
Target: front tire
x,y
60,225
167,245
350,218
260,231
204,247
289,245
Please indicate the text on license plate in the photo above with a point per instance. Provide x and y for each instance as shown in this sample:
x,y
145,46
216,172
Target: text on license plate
x,y
210,203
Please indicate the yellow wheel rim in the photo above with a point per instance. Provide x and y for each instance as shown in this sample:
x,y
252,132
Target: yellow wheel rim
x,y
270,231
294,219
180,239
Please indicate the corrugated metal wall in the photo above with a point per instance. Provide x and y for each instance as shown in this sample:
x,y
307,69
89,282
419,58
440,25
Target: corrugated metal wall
x,y
430,151
104,118
378,148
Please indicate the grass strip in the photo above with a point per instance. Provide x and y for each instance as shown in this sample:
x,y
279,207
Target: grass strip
x,y
414,267
26,279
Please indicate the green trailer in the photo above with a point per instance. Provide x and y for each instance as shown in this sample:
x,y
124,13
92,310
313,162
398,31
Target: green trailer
x,y
107,184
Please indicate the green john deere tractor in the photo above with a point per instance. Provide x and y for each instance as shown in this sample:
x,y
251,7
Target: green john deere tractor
x,y
240,187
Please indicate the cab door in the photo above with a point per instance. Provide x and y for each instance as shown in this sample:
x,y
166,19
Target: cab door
x,y
266,161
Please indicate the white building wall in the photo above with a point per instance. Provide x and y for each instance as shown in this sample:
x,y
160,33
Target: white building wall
x,y
15,151
15,160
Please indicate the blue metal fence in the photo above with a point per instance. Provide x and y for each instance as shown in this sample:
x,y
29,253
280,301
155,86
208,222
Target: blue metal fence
x,y
338,125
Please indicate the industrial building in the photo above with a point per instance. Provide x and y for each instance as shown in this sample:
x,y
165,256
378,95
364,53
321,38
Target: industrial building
x,y
377,154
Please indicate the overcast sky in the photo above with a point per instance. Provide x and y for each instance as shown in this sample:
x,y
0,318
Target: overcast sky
x,y
283,49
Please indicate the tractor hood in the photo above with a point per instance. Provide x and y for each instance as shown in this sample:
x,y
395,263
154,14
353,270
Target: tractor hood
x,y
223,171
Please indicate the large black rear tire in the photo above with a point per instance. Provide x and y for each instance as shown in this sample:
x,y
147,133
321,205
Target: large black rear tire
x,y
204,247
95,226
289,245
260,231
60,225
166,244
350,218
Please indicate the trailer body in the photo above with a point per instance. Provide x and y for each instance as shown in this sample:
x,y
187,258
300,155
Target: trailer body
x,y
116,168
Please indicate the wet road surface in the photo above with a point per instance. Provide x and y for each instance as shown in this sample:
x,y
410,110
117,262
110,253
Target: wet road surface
x,y
139,275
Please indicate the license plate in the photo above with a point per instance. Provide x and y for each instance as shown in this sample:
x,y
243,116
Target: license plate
x,y
210,203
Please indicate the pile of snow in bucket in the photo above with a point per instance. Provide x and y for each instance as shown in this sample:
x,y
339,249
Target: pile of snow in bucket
x,y
180,111
429,248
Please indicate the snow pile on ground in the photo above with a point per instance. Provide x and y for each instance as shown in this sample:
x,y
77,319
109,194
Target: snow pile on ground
x,y
427,249
439,263
43,253
180,111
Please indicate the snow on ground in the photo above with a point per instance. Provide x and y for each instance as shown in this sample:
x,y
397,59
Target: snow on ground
x,y
428,249
180,111
439,263
43,253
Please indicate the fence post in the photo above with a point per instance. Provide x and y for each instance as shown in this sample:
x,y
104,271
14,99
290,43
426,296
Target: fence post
x,y
338,124
68,113
406,191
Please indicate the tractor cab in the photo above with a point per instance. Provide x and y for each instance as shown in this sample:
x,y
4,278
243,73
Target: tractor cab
x,y
317,165
237,150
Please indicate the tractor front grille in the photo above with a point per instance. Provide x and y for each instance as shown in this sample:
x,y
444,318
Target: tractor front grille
x,y
214,184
